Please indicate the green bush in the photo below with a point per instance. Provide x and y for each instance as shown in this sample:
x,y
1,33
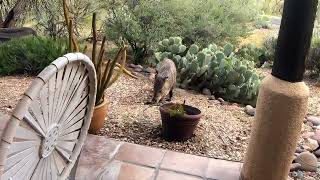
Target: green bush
x,y
214,67
262,22
143,23
29,54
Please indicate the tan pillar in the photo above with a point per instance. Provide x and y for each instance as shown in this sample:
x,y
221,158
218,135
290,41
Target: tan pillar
x,y
281,108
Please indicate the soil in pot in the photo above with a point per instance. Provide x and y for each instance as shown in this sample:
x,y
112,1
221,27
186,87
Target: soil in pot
x,y
98,117
179,125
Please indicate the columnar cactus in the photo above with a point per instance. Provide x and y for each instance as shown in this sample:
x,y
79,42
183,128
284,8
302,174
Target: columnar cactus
x,y
213,67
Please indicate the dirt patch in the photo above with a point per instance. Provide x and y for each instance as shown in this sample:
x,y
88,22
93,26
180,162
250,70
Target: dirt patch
x,y
11,89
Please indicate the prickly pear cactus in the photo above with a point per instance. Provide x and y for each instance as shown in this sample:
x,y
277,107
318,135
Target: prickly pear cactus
x,y
216,68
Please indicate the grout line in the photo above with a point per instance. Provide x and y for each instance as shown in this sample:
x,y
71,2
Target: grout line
x,y
111,157
158,166
179,172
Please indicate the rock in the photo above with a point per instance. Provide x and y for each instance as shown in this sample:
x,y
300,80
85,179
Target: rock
x,y
295,166
206,91
310,144
316,136
220,100
149,70
139,66
137,69
152,76
317,153
309,178
250,110
308,161
314,120
211,97
309,124
299,150
132,66
307,135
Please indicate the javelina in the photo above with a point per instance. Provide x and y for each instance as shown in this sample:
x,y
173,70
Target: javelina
x,y
165,81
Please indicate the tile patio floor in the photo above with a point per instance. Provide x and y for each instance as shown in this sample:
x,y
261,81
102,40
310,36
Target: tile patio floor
x,y
106,159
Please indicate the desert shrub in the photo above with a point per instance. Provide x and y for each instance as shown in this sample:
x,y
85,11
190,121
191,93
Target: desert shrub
x,y
143,23
29,54
214,67
48,17
262,22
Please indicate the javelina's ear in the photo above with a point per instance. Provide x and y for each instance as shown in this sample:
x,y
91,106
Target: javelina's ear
x,y
157,71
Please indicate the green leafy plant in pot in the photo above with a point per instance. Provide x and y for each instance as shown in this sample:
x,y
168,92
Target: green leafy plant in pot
x,y
108,71
179,121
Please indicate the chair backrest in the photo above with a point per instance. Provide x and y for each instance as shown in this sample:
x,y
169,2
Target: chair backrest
x,y
48,127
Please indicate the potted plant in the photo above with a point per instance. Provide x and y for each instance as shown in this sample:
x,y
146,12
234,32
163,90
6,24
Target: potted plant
x,y
179,121
107,70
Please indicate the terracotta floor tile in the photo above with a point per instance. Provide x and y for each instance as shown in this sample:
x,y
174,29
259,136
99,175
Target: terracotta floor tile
x,y
189,164
223,170
135,172
167,175
140,155
95,154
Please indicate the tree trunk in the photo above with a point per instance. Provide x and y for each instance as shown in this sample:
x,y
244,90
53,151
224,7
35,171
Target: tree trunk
x,y
14,14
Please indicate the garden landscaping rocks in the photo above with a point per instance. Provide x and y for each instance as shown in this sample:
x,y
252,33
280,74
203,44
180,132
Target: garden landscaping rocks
x,y
132,66
221,100
314,120
138,69
250,110
295,167
308,134
310,144
308,161
317,153
149,70
316,136
211,97
299,150
206,91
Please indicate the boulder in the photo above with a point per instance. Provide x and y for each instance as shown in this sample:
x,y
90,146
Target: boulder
x,y
8,33
308,161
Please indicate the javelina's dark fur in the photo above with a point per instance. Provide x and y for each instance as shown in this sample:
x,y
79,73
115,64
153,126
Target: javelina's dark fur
x,y
165,81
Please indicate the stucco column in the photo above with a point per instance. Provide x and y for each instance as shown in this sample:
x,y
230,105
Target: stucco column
x,y
283,98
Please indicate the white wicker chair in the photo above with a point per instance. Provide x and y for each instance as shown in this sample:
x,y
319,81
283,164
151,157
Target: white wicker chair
x,y
48,127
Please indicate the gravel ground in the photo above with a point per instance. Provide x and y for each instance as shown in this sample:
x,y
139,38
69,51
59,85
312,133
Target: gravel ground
x,y
222,133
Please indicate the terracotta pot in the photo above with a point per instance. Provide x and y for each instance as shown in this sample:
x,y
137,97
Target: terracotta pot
x,y
98,117
179,128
